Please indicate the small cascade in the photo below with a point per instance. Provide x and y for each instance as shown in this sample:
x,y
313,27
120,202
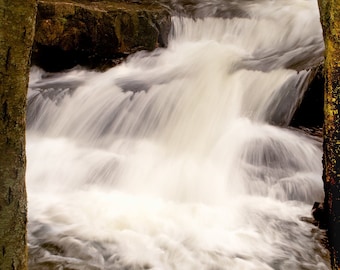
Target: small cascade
x,y
181,158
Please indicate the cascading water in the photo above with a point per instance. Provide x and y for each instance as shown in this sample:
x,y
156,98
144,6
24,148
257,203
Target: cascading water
x,y
171,159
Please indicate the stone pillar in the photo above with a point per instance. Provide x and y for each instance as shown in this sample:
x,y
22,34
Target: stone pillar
x,y
330,20
17,20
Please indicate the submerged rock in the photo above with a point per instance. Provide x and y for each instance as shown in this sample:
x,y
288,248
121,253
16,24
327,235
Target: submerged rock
x,y
96,34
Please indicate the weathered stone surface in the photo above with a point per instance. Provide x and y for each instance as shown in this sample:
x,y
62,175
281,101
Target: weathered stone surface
x,y
95,34
16,38
330,20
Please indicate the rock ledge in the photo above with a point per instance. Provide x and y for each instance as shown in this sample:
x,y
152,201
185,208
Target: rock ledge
x,y
96,34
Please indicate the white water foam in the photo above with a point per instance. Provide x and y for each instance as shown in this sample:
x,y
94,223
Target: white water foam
x,y
170,161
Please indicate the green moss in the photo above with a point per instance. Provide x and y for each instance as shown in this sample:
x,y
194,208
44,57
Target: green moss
x,y
62,20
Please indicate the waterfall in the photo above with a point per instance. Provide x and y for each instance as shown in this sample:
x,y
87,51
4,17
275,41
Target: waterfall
x,y
182,158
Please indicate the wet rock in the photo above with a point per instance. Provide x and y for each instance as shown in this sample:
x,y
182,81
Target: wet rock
x,y
96,34
310,112
50,249
319,215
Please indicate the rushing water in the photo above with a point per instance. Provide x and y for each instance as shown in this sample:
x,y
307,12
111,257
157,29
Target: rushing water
x,y
181,158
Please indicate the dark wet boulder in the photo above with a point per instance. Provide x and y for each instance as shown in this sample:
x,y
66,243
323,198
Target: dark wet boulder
x,y
310,112
96,34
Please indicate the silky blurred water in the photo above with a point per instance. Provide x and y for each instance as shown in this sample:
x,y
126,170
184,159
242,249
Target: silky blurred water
x,y
182,158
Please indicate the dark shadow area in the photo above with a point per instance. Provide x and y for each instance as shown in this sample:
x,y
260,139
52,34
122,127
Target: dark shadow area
x,y
310,112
